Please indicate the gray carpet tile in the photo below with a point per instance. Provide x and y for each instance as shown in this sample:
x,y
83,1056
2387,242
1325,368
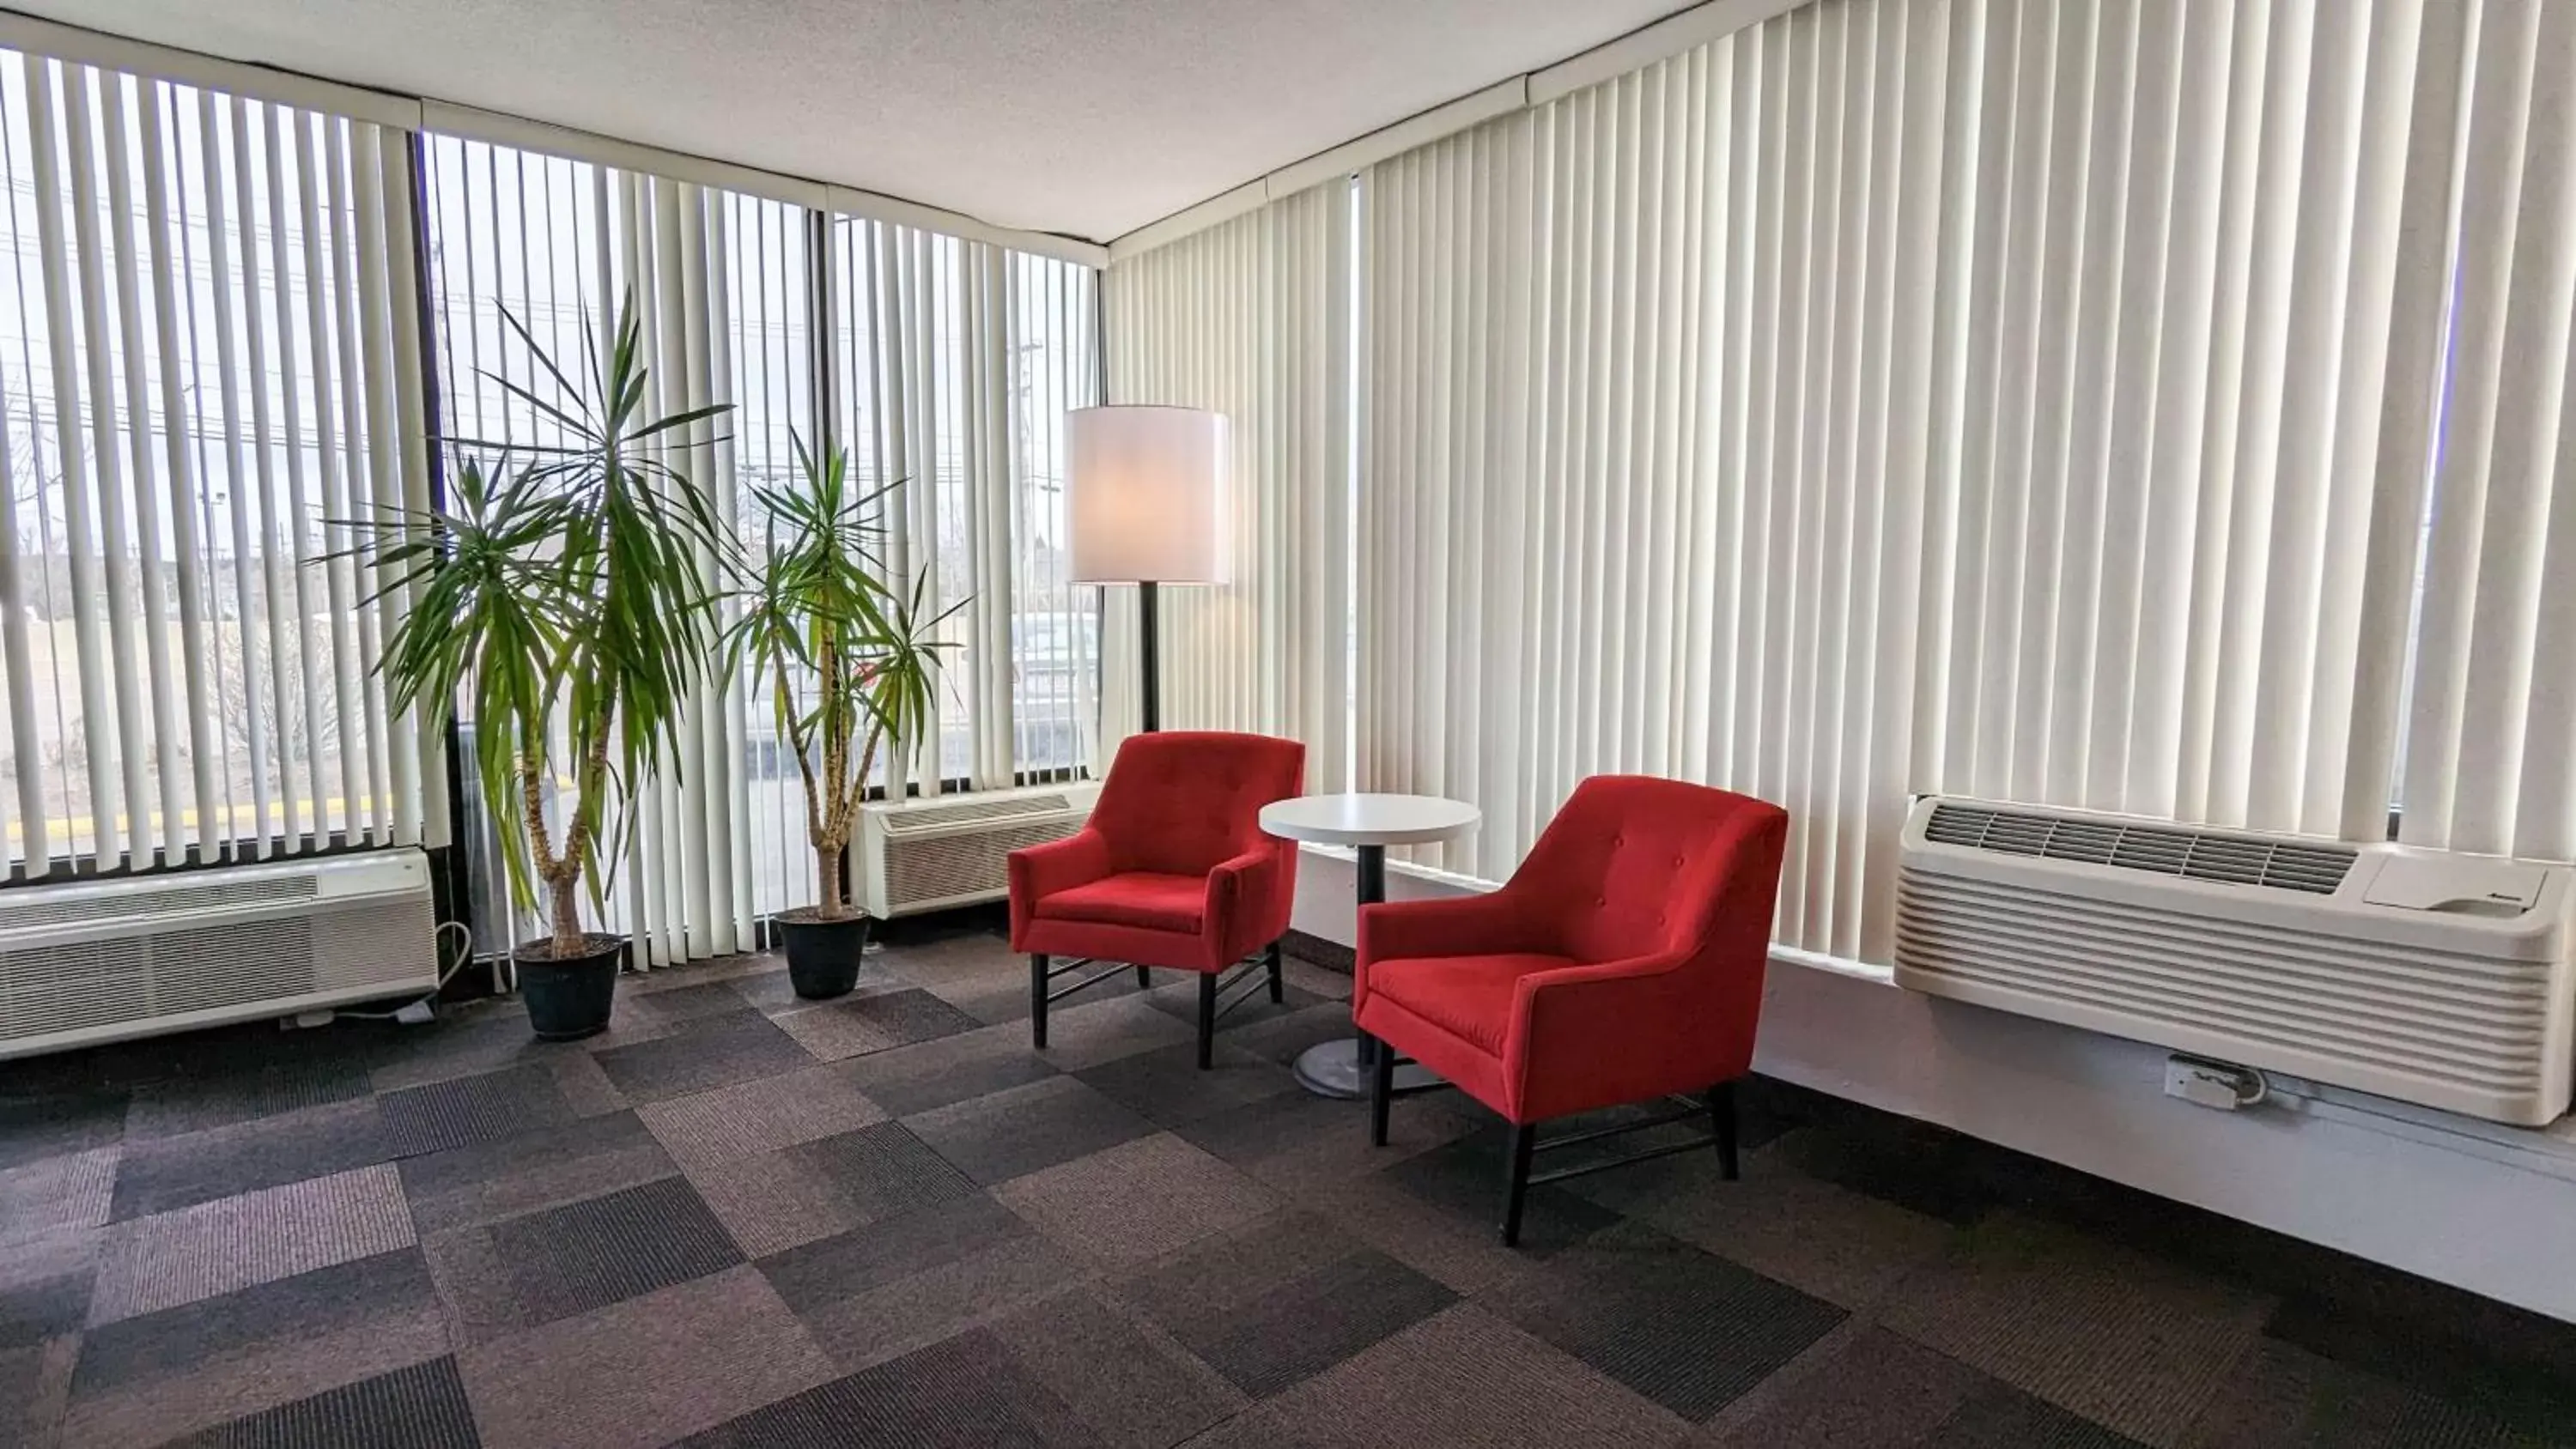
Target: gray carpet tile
x,y
1296,1137
1166,1086
1178,994
1860,1387
171,1341
964,1393
34,1380
1837,1244
42,1307
51,1194
883,1170
855,1025
1684,1328
1084,1032
529,1171
38,1125
2506,1366
1461,1376
760,1115
1465,1177
1282,1038
176,1172
998,1137
909,1079
1132,1383
773,1201
774,992
1279,1299
643,1372
1137,1200
589,1254
2005,1418
420,1407
2283,1397
914,1312
2118,1337
466,1110
715,1051
848,1264
257,1237
196,1103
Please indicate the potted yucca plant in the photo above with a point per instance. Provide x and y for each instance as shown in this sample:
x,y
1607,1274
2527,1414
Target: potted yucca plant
x,y
850,665
563,588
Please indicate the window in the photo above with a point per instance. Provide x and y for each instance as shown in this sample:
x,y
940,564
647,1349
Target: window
x,y
197,370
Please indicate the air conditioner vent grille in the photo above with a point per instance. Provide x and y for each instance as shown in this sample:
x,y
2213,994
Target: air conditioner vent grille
x,y
151,899
951,866
970,810
2206,855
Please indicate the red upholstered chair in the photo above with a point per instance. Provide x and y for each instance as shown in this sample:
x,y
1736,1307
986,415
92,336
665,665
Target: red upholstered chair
x,y
1621,963
1171,871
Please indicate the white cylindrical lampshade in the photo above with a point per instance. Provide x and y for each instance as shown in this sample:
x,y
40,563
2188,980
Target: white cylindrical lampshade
x,y
1145,497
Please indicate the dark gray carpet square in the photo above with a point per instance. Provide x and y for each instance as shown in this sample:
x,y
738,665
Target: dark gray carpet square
x,y
886,1251
197,1103
1180,997
2534,1393
715,1052
544,1167
420,1407
995,1138
40,1125
604,1250
1684,1328
2006,1418
884,1171
1166,1085
173,1340
2282,1396
931,1074
1465,1178
963,1393
32,1312
177,1172
465,1110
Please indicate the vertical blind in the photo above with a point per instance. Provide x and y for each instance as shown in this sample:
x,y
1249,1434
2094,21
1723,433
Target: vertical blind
x,y
208,348
1252,319
2136,406
941,363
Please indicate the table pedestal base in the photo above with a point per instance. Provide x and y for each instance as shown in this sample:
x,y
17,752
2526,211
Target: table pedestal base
x,y
1333,1070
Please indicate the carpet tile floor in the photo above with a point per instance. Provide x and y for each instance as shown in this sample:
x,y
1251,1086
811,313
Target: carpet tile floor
x,y
742,1219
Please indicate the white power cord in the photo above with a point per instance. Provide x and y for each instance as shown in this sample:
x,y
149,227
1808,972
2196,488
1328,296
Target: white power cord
x,y
464,958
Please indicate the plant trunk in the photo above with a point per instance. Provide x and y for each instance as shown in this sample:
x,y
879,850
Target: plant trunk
x,y
827,872
564,898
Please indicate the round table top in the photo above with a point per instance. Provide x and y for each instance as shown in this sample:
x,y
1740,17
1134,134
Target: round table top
x,y
1369,819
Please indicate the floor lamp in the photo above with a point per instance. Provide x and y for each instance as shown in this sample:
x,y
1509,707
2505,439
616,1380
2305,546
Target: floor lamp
x,y
1145,503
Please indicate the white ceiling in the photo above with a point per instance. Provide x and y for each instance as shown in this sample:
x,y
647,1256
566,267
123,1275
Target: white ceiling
x,y
1089,117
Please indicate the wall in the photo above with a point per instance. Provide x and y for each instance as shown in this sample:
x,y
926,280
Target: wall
x,y
2485,1208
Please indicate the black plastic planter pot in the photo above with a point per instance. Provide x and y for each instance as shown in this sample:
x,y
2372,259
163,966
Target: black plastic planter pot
x,y
822,956
570,999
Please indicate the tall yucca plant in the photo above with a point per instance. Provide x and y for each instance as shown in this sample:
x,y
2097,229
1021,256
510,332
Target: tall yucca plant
x,y
563,587
819,604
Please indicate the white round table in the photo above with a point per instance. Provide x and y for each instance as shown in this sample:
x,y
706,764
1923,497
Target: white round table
x,y
1369,823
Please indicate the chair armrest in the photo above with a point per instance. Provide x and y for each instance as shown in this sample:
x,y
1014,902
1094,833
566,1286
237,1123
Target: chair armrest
x,y
1488,924
1038,871
1634,1018
1246,902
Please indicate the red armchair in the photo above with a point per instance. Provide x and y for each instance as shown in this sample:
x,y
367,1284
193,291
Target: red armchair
x,y
1621,963
1171,871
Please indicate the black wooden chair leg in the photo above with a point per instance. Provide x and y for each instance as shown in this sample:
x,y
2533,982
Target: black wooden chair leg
x,y
1721,1118
1037,1001
1278,981
1144,979
1516,1189
1381,1094
1207,1020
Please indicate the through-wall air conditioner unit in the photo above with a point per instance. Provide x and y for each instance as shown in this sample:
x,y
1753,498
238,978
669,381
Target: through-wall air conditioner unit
x,y
2422,975
954,850
100,960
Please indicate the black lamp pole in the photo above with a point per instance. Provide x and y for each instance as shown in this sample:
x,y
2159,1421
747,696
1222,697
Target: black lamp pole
x,y
1145,623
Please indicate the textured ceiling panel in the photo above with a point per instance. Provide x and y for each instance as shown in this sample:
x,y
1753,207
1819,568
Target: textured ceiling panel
x,y
1085,118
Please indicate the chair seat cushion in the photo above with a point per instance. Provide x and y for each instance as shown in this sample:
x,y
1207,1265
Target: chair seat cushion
x,y
1152,901
1469,997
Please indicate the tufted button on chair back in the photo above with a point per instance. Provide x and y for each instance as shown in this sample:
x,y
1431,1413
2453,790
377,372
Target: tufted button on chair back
x,y
1181,802
1638,865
